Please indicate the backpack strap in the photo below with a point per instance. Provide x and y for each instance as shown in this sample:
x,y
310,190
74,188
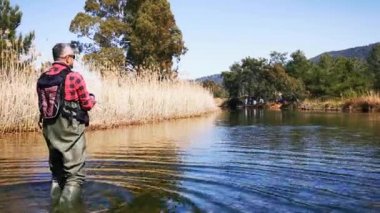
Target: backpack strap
x,y
63,74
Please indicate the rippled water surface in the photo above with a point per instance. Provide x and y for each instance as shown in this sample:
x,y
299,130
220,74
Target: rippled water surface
x,y
246,161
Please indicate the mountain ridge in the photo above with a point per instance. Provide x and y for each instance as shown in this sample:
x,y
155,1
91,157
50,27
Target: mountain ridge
x,y
360,52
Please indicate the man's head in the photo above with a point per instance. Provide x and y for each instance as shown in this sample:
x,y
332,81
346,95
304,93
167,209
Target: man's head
x,y
63,52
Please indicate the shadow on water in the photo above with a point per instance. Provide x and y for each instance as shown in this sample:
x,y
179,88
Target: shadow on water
x,y
243,161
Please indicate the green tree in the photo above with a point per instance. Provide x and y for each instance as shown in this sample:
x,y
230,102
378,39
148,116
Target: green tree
x,y
337,77
138,33
103,24
278,58
350,76
12,44
260,78
290,87
374,65
317,80
257,78
299,66
232,80
154,35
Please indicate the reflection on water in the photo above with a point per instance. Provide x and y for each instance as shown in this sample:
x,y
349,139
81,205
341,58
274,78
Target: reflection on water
x,y
242,161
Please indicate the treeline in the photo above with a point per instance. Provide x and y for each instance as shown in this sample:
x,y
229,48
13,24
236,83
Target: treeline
x,y
298,78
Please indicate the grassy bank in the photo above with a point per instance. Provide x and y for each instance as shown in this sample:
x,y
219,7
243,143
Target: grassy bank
x,y
369,102
366,103
321,105
121,101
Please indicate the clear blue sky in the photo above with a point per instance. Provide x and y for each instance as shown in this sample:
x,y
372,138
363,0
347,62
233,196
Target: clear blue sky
x,y
221,32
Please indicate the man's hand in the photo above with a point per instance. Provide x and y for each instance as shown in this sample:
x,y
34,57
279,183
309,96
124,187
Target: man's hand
x,y
92,96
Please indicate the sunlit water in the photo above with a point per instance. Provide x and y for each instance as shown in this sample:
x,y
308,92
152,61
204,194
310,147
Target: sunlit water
x,y
247,161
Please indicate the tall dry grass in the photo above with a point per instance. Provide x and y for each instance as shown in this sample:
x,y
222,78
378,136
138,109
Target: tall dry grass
x,y
363,102
18,98
120,100
131,100
369,102
322,105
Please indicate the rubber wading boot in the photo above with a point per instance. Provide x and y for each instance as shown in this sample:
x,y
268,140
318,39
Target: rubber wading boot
x,y
55,194
71,199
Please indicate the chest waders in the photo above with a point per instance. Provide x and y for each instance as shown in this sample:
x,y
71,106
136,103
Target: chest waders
x,y
65,139
66,143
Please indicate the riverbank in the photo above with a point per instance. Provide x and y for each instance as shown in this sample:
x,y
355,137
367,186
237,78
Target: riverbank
x,y
365,103
120,100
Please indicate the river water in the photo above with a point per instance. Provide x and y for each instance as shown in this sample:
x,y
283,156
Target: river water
x,y
244,161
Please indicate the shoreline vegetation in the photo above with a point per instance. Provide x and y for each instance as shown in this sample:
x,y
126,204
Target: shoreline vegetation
x,y
365,103
368,103
121,101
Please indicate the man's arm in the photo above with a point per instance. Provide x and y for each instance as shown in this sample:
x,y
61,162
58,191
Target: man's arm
x,y
39,110
86,101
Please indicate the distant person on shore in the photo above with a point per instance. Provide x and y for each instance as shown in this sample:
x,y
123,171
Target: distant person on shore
x,y
250,100
63,103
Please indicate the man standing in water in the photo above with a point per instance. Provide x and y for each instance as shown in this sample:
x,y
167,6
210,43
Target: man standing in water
x,y
63,102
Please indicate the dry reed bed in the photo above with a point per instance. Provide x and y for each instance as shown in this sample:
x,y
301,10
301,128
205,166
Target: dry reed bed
x,y
121,101
133,100
369,102
366,103
319,105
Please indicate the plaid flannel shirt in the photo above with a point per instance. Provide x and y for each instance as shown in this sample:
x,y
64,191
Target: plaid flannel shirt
x,y
75,86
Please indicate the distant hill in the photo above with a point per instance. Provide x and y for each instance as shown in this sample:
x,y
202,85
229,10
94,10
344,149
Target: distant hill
x,y
361,52
217,78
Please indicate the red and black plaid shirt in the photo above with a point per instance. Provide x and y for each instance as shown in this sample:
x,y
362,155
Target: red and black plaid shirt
x,y
75,86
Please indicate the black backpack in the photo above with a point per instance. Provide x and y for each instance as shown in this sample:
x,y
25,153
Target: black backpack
x,y
51,91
